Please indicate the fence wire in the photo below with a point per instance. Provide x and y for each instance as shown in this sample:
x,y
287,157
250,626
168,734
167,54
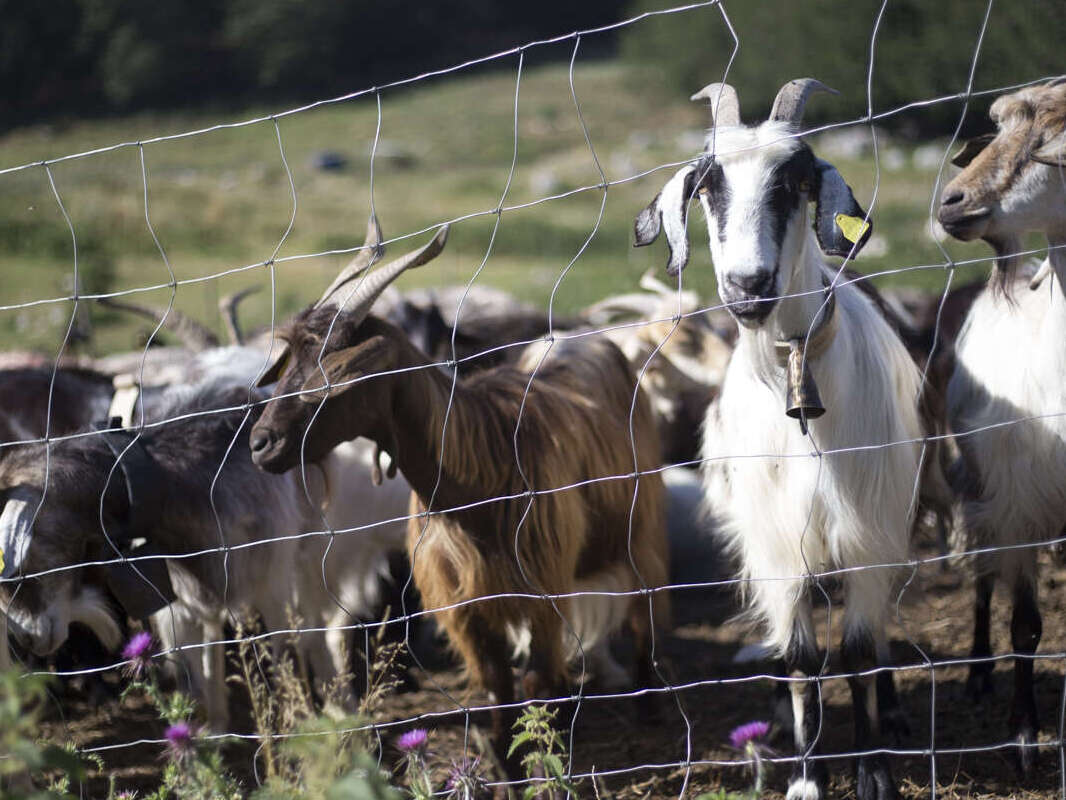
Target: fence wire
x,y
670,684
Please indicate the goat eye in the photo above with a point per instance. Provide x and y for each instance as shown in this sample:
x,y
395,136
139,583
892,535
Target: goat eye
x,y
805,185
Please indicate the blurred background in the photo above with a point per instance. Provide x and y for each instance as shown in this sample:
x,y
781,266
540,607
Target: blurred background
x,y
80,74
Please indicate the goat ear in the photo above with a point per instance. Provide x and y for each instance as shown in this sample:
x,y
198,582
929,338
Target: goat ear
x,y
275,370
669,209
971,149
344,366
840,223
1052,153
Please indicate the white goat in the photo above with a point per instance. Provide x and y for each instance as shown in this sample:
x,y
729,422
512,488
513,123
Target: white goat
x,y
786,514
1008,387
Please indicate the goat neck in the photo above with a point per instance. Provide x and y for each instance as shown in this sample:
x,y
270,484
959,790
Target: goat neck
x,y
442,440
802,310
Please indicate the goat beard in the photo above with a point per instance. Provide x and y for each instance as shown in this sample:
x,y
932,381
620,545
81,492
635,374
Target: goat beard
x,y
1007,248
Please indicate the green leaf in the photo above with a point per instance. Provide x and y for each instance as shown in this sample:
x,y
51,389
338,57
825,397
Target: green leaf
x,y
553,765
519,740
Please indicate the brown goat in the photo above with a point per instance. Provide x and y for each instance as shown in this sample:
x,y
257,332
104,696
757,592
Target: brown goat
x,y
1004,399
547,442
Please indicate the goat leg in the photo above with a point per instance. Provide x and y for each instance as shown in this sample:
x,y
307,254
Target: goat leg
x,y
808,780
487,656
641,625
1025,630
873,779
979,683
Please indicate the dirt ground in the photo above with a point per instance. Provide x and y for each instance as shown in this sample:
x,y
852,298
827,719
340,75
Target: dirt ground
x,y
607,736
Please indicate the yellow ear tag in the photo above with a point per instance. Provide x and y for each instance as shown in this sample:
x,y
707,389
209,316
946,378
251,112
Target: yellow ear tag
x,y
852,227
1,565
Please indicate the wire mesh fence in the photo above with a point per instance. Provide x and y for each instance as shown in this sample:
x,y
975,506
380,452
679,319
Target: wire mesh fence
x,y
517,446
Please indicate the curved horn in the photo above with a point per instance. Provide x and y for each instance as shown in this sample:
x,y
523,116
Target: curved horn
x,y
368,254
790,101
227,307
725,105
193,335
363,296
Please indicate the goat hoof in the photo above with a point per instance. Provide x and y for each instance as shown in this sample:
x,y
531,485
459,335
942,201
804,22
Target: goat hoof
x,y
809,786
1027,754
979,684
873,781
894,723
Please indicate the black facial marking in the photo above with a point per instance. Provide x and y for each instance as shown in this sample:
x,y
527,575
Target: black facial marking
x,y
712,181
790,179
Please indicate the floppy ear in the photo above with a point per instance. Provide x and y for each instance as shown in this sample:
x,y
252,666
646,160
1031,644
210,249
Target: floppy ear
x,y
275,370
971,149
343,366
669,209
16,531
840,222
1052,153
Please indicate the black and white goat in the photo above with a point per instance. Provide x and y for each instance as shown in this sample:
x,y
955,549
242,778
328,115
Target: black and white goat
x,y
1006,395
788,515
164,496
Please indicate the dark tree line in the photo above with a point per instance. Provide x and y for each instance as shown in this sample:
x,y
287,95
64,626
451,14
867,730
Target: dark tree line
x,y
72,58
923,50
66,58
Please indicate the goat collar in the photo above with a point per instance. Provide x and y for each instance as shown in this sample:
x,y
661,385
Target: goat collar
x,y
143,587
813,345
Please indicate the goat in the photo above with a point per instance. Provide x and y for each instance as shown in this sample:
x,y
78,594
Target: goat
x,y
510,430
785,517
171,506
1007,385
251,506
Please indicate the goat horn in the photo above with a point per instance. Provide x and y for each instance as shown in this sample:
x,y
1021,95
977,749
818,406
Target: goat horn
x,y
364,295
227,306
790,101
725,105
368,254
194,335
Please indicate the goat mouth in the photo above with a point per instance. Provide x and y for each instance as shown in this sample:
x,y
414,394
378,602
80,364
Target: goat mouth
x,y
965,226
273,456
750,312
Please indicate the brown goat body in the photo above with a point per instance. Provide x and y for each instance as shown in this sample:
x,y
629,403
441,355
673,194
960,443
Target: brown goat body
x,y
527,472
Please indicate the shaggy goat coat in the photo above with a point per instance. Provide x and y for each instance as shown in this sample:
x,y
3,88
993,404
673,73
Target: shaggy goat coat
x,y
583,531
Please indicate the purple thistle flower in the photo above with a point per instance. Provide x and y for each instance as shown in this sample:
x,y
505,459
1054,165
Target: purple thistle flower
x,y
748,732
463,778
179,739
413,741
138,652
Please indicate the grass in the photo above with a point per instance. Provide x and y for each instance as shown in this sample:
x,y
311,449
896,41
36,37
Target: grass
x,y
222,200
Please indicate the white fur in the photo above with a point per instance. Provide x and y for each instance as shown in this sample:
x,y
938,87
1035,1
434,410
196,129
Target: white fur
x,y
1010,367
788,514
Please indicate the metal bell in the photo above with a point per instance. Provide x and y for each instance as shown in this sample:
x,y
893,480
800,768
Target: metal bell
x,y
802,401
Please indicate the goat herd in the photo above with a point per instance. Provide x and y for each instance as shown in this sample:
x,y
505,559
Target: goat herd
x,y
528,482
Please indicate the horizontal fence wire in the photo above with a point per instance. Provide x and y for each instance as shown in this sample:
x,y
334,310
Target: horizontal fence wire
x,y
682,692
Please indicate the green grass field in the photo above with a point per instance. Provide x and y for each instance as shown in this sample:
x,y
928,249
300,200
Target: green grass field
x,y
221,200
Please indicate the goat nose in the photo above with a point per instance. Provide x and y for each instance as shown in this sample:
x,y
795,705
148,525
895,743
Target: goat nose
x,y
751,283
951,196
260,440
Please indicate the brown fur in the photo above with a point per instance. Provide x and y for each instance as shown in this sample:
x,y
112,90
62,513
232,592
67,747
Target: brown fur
x,y
1026,119
461,450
